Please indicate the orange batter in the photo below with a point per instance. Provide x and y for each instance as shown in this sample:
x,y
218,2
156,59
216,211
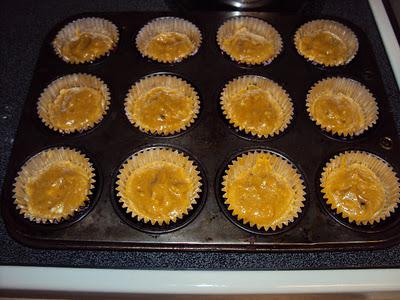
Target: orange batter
x,y
86,46
169,46
255,110
159,191
162,109
338,113
355,191
260,195
57,191
248,47
324,47
76,108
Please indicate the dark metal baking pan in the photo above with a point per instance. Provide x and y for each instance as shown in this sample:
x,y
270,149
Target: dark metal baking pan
x,y
210,140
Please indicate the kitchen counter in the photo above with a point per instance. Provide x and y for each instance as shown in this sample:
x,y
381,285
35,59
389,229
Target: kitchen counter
x,y
23,26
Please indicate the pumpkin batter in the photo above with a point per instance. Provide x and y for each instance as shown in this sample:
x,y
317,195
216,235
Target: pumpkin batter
x,y
159,191
76,108
86,46
260,195
338,112
324,47
162,109
355,191
57,191
169,46
249,47
255,110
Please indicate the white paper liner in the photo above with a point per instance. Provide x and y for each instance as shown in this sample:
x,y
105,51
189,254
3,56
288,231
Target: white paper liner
x,y
276,91
351,88
255,26
148,83
87,25
281,166
388,178
70,81
168,24
40,162
343,32
157,154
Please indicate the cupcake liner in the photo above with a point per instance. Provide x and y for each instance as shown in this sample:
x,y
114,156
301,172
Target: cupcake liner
x,y
341,31
384,173
145,158
280,166
36,166
147,84
254,26
351,89
77,80
274,90
167,25
95,26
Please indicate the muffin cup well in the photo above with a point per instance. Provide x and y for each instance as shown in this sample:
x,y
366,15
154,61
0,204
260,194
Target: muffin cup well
x,y
255,26
40,162
145,85
66,82
283,167
275,91
164,25
384,172
97,26
148,156
344,33
352,89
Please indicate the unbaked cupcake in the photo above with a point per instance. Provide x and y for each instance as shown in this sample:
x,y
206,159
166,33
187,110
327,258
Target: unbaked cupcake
x,y
162,104
263,189
342,106
73,103
249,40
361,187
326,42
158,185
53,185
256,105
168,39
86,40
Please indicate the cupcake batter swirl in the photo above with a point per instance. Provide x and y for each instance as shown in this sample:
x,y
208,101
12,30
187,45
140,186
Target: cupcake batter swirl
x,y
245,45
169,46
256,105
264,190
326,42
57,191
86,46
159,191
342,106
356,191
324,47
162,109
256,110
338,113
76,108
53,185
260,195
158,185
361,187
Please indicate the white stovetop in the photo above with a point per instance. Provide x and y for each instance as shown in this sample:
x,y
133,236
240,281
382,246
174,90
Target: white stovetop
x,y
216,282
198,282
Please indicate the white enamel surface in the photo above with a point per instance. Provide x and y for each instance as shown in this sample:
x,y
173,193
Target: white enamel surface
x,y
216,282
388,36
198,282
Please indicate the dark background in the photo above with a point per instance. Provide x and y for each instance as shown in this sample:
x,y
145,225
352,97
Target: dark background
x,y
23,27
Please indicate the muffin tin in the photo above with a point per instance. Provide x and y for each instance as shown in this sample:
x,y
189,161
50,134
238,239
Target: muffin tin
x,y
211,142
